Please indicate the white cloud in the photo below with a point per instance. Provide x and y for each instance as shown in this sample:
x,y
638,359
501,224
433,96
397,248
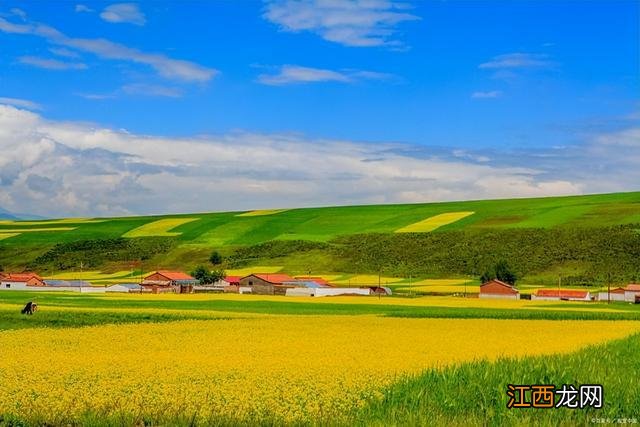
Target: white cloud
x,y
123,13
361,23
65,53
295,74
61,169
51,64
96,96
83,8
19,12
487,94
106,49
21,103
518,60
151,90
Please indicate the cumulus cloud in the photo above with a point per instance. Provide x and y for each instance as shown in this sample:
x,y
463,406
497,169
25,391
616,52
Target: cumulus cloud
x,y
295,74
51,64
59,169
128,13
361,23
106,49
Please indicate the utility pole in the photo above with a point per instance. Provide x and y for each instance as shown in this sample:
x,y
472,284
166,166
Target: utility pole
x,y
559,283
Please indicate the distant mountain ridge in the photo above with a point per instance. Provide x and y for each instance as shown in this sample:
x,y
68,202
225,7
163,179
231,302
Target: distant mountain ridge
x,y
5,214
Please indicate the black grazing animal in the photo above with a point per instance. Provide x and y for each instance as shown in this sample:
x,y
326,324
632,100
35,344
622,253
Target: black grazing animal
x,y
29,308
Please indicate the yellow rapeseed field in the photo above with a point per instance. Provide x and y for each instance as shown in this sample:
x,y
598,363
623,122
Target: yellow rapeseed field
x,y
288,368
434,222
160,227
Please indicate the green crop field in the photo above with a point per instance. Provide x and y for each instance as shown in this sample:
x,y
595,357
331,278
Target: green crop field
x,y
183,241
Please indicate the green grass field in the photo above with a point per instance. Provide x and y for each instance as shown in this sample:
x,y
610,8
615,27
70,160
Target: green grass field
x,y
322,224
193,236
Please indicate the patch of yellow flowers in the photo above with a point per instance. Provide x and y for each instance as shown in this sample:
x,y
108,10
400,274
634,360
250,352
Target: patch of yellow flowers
x,y
284,368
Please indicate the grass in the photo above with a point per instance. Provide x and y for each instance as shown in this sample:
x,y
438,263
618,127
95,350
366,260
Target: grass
x,y
35,230
160,227
475,393
262,212
425,307
227,230
434,222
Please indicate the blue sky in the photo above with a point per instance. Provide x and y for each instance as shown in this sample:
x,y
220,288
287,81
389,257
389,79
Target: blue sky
x,y
523,93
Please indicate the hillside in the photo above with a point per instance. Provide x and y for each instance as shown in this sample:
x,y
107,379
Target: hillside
x,y
182,241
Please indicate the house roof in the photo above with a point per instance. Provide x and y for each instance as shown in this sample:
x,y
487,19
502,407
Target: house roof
x,y
273,278
67,283
499,282
21,277
127,285
303,283
319,280
633,287
562,293
232,279
174,275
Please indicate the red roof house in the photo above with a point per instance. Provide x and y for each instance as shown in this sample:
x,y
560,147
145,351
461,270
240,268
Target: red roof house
x,y
272,278
498,289
268,284
562,294
30,279
169,281
233,280
632,287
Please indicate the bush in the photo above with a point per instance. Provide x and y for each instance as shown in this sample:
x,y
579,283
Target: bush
x,y
93,253
215,258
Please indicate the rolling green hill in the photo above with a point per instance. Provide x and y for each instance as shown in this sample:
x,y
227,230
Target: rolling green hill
x,y
181,241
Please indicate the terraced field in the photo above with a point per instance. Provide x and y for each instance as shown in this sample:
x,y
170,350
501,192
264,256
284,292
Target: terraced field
x,y
193,237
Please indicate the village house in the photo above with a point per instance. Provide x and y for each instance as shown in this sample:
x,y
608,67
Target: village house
x,y
617,294
19,281
561,295
632,293
499,290
267,284
319,280
81,286
124,288
169,281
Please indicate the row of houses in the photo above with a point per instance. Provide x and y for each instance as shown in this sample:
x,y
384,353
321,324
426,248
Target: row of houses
x,y
166,281
500,290
283,284
33,282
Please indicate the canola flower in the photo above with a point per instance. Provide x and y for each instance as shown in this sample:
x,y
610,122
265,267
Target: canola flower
x,y
288,368
161,227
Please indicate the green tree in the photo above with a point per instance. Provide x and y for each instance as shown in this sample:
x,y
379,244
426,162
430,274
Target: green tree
x,y
217,275
215,258
501,271
202,274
